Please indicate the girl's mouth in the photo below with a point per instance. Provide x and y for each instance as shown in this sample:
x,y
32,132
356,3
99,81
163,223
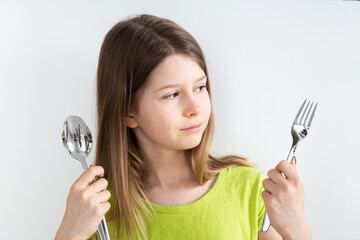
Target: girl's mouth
x,y
194,128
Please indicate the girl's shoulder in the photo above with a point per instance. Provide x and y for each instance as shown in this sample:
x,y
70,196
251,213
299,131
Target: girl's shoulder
x,y
244,170
243,173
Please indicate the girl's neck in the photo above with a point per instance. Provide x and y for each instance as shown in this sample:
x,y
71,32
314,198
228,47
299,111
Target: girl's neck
x,y
168,170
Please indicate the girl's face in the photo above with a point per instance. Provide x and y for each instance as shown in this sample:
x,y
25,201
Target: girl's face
x,y
175,99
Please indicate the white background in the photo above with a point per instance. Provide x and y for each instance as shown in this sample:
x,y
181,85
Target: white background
x,y
264,59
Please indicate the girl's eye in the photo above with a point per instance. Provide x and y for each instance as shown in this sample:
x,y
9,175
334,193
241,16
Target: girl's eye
x,y
171,96
203,86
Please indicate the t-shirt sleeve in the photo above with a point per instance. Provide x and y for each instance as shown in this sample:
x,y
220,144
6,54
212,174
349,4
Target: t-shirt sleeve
x,y
261,204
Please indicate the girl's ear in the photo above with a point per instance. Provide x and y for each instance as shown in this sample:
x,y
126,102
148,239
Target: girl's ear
x,y
131,121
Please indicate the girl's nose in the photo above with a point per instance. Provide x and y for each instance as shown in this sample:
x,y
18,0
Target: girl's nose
x,y
193,107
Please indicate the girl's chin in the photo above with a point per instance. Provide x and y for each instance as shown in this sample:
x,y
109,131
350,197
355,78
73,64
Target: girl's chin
x,y
192,144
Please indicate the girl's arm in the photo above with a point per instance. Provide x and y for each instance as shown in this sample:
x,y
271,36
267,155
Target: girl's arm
x,y
284,201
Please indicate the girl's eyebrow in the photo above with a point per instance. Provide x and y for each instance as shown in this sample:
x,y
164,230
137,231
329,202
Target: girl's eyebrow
x,y
175,85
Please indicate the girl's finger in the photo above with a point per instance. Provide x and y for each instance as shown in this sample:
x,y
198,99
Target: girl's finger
x,y
266,196
98,186
286,168
103,196
269,185
89,175
276,176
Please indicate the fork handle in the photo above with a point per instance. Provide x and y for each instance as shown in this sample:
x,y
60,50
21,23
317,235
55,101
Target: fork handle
x,y
266,222
291,153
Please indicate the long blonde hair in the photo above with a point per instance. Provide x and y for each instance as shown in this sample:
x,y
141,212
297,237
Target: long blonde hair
x,y
130,51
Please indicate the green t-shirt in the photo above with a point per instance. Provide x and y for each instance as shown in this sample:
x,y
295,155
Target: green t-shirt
x,y
232,209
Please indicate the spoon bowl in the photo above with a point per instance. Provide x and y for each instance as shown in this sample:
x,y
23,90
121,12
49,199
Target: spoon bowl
x,y
77,139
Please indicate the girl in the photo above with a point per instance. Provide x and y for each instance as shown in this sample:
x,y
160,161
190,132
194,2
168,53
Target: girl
x,y
155,128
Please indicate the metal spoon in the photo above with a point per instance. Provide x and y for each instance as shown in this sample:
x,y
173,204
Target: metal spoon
x,y
77,140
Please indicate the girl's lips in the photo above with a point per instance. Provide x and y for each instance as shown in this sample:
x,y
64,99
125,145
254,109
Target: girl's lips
x,y
194,128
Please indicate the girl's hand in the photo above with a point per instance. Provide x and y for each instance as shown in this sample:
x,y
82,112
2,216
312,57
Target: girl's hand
x,y
86,205
284,201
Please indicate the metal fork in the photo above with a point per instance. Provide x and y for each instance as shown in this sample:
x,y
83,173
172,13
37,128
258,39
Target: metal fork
x,y
299,130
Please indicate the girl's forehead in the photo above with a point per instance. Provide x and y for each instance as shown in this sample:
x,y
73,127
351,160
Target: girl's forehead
x,y
175,69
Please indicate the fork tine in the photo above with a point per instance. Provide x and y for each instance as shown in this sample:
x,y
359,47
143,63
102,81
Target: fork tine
x,y
308,113
300,110
303,114
311,117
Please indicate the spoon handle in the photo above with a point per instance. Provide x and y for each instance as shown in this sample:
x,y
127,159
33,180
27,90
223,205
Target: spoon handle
x,y
102,229
84,164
